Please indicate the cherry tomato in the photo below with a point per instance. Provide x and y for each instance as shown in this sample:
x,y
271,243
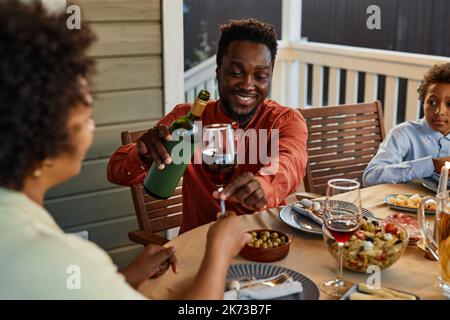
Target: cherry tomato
x,y
391,228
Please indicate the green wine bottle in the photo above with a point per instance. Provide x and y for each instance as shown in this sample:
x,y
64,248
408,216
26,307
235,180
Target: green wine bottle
x,y
161,184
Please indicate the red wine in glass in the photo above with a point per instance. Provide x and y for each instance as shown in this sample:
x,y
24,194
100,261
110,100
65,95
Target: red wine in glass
x,y
219,167
342,227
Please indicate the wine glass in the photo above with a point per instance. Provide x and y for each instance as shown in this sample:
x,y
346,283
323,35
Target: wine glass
x,y
219,155
342,218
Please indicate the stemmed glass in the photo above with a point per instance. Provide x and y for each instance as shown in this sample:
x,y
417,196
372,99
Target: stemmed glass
x,y
219,155
342,218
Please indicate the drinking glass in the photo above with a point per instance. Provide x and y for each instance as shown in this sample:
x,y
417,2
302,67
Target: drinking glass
x,y
342,218
219,155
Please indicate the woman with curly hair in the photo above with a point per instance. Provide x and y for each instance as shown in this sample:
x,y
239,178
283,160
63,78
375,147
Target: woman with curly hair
x,y
46,129
417,149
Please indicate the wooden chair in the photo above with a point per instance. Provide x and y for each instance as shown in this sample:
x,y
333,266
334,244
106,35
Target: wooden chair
x,y
153,215
341,142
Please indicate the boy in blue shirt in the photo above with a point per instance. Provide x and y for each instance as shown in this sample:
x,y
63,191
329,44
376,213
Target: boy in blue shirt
x,y
417,149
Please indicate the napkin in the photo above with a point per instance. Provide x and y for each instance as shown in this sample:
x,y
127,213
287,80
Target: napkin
x,y
306,213
262,292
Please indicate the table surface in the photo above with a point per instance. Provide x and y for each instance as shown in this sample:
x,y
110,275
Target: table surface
x,y
308,254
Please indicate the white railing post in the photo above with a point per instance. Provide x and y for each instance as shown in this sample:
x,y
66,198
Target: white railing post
x,y
317,92
390,103
371,87
334,86
351,87
412,111
302,85
277,81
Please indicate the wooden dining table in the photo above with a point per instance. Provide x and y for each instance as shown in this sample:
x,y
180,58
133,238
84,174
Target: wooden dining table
x,y
308,253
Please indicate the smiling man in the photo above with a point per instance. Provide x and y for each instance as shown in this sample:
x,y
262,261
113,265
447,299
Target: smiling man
x,y
245,60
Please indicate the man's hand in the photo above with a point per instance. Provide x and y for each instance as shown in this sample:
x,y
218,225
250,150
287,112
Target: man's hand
x,y
150,147
245,190
438,163
151,263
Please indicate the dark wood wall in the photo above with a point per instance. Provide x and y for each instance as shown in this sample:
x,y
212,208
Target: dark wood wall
x,y
208,15
419,26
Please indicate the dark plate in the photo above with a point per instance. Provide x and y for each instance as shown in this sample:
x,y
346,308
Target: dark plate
x,y
305,224
260,271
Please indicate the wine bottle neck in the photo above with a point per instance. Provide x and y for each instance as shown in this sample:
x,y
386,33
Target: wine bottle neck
x,y
192,117
197,108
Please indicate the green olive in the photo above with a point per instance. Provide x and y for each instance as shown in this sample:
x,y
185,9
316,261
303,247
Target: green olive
x,y
277,240
274,235
250,244
267,234
264,245
283,238
276,244
263,238
270,244
257,245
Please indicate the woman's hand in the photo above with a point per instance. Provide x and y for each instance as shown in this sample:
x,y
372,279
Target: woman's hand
x,y
226,236
151,263
225,239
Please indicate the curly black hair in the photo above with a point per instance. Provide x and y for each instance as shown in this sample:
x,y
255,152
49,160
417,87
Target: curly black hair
x,y
42,64
247,30
439,73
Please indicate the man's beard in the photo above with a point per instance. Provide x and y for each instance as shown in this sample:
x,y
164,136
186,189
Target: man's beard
x,y
241,118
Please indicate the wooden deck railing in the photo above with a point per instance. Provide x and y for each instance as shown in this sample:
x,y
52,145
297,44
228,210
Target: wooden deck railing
x,y
317,74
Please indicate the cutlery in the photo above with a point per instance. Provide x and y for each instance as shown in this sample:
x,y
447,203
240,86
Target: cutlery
x,y
307,213
271,282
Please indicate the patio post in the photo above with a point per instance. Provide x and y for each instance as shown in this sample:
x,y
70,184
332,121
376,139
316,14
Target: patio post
x,y
285,79
173,54
291,20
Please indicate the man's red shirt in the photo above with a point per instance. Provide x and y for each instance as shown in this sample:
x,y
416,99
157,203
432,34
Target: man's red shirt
x,y
199,207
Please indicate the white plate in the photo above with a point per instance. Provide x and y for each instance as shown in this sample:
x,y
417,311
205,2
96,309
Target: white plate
x,y
302,223
262,270
402,208
299,222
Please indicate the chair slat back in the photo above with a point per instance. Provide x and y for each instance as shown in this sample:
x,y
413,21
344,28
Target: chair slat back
x,y
341,142
154,215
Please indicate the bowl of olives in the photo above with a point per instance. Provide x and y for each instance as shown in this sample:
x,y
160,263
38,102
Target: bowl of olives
x,y
266,245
